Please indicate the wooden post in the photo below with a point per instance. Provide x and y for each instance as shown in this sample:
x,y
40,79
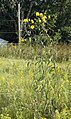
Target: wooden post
x,y
19,27
22,17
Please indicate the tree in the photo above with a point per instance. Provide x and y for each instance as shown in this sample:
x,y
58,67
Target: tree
x,y
8,20
59,8
62,9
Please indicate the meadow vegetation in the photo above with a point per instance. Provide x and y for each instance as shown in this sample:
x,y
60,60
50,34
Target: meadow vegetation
x,y
59,53
35,82
35,74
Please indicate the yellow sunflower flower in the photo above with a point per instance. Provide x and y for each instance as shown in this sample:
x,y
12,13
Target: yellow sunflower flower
x,y
32,21
41,14
37,13
32,27
25,20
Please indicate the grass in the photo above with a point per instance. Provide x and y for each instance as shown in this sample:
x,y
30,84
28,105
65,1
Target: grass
x,y
23,81
58,52
35,87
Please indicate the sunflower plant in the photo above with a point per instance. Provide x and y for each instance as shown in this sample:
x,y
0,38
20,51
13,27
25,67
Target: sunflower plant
x,y
37,27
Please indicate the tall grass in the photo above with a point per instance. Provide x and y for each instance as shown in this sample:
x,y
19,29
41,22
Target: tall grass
x,y
34,89
35,82
58,52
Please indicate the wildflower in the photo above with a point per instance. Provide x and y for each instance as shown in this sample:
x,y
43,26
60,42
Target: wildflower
x,y
37,13
41,14
22,40
25,20
49,17
32,21
32,26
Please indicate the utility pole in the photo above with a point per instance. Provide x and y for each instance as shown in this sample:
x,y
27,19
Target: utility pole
x,y
19,24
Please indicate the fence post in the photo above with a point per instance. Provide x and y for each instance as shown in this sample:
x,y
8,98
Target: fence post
x,y
19,24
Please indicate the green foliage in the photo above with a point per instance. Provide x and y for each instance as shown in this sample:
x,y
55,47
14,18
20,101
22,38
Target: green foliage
x,y
37,89
32,51
58,10
36,29
57,36
8,11
5,116
66,33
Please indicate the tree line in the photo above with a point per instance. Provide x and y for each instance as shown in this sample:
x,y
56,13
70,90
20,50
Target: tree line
x,y
60,30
